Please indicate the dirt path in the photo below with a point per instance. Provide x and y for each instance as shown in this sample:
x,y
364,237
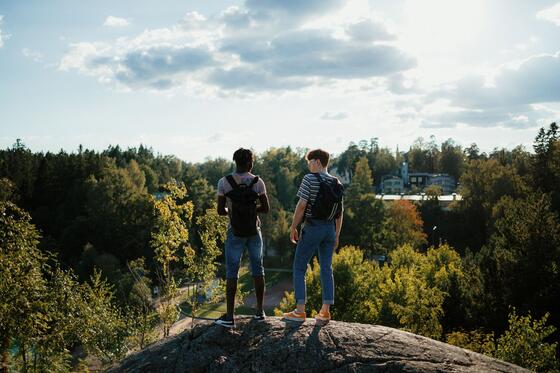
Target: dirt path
x,y
181,325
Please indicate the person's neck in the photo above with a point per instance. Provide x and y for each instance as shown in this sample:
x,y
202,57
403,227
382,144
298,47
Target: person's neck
x,y
322,170
242,171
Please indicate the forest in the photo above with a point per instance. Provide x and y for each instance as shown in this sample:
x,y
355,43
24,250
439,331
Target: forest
x,y
98,249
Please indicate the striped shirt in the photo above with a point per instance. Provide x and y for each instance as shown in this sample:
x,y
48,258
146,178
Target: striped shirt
x,y
309,188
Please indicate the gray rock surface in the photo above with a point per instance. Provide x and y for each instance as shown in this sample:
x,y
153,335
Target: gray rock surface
x,y
275,345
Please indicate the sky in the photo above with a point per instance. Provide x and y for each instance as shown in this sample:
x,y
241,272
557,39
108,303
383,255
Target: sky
x,y
199,79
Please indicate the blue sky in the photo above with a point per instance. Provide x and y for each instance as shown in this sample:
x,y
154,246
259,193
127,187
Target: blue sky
x,y
201,78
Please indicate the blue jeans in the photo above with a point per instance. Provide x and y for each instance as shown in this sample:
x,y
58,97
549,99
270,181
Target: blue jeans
x,y
316,235
234,251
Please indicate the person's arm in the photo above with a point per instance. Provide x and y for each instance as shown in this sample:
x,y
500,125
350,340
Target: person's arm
x,y
298,217
222,210
338,225
264,206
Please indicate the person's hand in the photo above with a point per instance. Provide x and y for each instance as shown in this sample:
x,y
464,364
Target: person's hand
x,y
294,237
336,249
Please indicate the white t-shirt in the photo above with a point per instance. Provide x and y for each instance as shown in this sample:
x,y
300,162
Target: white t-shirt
x,y
244,178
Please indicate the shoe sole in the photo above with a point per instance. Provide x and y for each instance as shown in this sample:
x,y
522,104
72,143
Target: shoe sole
x,y
225,325
322,321
295,319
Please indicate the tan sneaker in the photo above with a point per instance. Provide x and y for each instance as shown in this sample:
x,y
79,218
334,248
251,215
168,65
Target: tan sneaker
x,y
295,316
323,316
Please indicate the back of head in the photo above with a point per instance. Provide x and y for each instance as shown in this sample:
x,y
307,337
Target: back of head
x,y
320,154
243,159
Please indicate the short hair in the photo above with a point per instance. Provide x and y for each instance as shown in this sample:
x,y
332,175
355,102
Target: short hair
x,y
319,154
243,157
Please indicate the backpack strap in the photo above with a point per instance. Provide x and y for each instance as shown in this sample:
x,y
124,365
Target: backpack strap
x,y
318,177
254,181
232,182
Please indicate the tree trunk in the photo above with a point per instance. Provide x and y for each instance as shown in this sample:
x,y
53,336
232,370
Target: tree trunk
x,y
5,354
24,357
143,330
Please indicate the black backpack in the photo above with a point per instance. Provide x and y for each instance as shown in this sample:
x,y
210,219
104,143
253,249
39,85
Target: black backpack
x,y
243,214
328,203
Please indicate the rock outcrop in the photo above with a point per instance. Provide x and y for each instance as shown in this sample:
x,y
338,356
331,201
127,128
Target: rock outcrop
x,y
275,345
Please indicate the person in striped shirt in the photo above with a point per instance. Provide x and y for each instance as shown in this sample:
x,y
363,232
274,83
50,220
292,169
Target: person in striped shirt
x,y
317,235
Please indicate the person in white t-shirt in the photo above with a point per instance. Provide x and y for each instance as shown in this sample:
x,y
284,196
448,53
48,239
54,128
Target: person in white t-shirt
x,y
242,196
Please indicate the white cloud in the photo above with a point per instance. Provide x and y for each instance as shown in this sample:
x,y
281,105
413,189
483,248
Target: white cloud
x,y
334,115
514,100
32,54
112,21
369,30
3,35
338,48
551,14
242,50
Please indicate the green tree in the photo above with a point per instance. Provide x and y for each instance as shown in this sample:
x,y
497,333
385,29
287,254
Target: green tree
x,y
408,294
346,162
383,163
433,192
118,213
200,265
524,344
363,213
8,190
362,181
363,224
355,278
179,254
106,329
135,292
546,163
170,235
214,169
451,159
409,301
423,156
481,186
402,225
22,285
44,311
202,194
521,259
19,165
476,340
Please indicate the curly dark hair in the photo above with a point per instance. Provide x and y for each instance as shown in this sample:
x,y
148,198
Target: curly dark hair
x,y
243,158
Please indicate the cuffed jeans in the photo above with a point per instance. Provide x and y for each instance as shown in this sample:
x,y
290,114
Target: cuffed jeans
x,y
234,251
316,235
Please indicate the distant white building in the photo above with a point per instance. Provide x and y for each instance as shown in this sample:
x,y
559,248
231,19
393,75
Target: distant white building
x,y
392,185
445,181
417,181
